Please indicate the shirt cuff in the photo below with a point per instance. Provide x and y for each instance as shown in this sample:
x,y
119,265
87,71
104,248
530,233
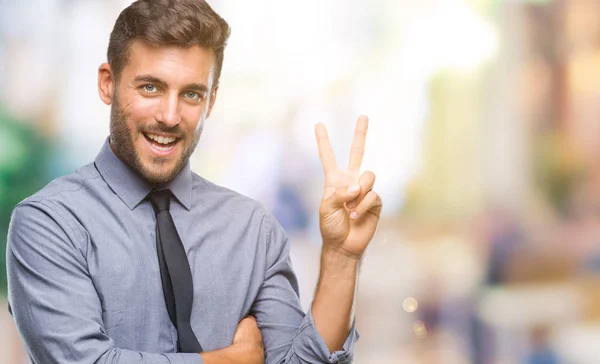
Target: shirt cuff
x,y
191,358
343,356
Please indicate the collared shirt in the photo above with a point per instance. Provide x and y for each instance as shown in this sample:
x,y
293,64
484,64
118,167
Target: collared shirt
x,y
84,278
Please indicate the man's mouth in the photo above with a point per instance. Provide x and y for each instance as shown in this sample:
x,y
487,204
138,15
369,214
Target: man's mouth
x,y
161,145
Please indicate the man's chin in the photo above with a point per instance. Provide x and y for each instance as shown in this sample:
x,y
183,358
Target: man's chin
x,y
158,174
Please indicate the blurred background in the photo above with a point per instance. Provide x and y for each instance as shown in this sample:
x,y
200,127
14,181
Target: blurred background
x,y
484,136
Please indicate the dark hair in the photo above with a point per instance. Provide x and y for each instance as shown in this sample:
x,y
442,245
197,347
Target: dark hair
x,y
183,23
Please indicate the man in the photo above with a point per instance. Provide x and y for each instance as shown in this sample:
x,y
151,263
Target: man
x,y
135,259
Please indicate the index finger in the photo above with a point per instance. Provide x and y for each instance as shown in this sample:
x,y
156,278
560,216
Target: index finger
x,y
325,150
357,150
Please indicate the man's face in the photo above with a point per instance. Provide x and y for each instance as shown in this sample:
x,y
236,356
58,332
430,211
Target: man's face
x,y
159,106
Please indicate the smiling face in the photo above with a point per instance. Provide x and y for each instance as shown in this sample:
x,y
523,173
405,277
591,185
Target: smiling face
x,y
158,106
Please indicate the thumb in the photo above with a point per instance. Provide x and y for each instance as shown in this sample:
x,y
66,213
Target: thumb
x,y
334,198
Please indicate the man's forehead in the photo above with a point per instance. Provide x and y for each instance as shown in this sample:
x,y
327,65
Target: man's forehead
x,y
171,61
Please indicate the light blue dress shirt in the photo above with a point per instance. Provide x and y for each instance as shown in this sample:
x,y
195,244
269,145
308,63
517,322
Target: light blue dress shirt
x,y
84,279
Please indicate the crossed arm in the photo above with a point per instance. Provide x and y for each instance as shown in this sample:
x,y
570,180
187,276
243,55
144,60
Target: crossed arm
x,y
59,314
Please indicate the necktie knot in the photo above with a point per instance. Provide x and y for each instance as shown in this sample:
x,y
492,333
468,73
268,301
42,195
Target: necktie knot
x,y
161,200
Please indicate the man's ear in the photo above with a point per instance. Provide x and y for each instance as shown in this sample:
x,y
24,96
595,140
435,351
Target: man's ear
x,y
213,98
106,83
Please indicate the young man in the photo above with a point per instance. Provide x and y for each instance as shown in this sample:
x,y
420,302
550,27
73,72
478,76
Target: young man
x,y
136,259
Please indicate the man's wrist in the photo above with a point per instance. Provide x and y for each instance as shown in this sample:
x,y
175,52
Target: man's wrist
x,y
335,252
339,262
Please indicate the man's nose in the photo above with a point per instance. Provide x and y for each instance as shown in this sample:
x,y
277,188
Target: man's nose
x,y
169,112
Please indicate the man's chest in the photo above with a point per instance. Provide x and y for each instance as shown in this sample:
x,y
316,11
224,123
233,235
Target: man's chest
x,y
227,265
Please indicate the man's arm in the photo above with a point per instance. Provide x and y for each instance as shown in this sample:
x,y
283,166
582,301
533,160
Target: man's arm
x,y
333,304
56,308
290,335
349,214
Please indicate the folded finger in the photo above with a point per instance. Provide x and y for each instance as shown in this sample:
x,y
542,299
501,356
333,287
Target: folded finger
x,y
336,198
371,203
366,182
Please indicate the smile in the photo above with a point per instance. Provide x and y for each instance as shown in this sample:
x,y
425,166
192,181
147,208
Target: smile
x,y
161,145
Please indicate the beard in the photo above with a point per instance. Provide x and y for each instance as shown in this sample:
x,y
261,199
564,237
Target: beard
x,y
156,170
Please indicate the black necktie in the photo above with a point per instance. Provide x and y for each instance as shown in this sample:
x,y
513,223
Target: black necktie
x,y
175,272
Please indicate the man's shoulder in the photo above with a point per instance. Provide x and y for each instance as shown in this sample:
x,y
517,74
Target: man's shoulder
x,y
220,197
231,207
69,187
57,204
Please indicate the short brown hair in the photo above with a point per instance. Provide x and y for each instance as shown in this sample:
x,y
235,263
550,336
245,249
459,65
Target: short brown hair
x,y
183,23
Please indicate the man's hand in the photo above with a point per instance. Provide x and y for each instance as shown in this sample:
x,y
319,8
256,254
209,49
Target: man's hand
x,y
247,346
247,332
350,209
248,336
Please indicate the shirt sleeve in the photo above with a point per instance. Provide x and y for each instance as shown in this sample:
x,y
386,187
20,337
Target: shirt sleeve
x,y
55,306
289,335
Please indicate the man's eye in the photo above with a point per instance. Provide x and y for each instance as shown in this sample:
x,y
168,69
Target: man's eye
x,y
192,95
150,88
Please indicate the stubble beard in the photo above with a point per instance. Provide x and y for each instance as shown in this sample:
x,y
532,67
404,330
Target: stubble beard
x,y
121,142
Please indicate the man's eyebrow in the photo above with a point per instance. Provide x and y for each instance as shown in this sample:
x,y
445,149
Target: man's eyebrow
x,y
150,79
190,86
196,87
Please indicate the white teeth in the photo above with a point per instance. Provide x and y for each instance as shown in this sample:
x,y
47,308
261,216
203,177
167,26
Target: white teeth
x,y
160,139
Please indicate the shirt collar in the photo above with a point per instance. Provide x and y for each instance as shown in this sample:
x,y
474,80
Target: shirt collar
x,y
132,188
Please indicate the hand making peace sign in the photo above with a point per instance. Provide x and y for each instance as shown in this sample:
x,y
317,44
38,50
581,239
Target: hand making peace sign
x,y
350,209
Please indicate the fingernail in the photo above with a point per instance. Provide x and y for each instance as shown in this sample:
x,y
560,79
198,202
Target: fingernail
x,y
354,188
354,215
